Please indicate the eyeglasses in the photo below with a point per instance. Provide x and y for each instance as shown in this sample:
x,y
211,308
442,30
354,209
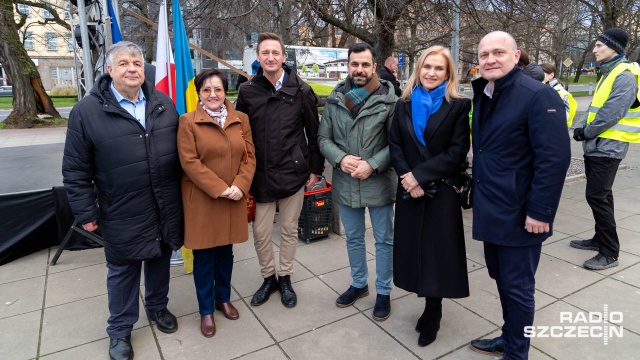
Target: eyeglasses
x,y
216,91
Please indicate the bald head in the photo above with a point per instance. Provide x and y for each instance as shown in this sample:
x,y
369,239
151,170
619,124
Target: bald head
x,y
501,36
391,63
498,55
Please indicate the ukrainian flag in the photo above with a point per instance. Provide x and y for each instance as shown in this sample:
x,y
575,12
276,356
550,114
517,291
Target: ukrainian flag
x,y
186,96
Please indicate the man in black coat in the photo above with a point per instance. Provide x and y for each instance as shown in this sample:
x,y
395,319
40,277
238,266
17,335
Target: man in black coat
x,y
388,72
521,156
284,123
121,151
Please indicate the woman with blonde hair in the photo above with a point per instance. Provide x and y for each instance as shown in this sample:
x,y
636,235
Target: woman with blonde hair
x,y
428,142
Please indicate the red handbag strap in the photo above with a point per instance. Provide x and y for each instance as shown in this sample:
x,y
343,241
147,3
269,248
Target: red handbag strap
x,y
245,155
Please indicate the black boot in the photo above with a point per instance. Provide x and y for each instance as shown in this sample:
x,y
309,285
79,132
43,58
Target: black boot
x,y
120,349
431,321
421,319
270,285
289,298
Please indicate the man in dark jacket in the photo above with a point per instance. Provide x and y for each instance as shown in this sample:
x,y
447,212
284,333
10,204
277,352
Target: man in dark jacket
x,y
282,109
388,72
121,150
521,155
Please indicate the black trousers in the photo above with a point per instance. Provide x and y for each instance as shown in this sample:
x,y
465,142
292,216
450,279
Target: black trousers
x,y
601,172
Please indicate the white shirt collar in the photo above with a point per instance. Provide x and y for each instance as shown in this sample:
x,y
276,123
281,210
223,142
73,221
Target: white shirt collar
x,y
487,91
279,82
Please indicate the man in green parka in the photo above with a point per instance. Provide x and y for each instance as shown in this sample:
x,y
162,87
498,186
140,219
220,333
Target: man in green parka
x,y
353,138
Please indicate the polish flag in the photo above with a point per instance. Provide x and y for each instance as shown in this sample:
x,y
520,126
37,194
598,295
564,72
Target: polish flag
x,y
165,66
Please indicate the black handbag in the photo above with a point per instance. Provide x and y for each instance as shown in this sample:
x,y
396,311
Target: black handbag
x,y
462,185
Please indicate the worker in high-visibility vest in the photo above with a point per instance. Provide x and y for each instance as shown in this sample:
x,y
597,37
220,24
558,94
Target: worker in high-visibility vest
x,y
606,129
570,104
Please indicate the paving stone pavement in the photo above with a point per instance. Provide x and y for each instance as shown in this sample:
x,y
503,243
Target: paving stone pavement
x,y
60,312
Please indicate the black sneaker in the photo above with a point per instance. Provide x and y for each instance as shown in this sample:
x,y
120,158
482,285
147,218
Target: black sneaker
x,y
584,244
165,320
350,296
120,349
601,262
269,286
493,346
382,309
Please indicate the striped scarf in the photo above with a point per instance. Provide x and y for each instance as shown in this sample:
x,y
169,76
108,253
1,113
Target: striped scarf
x,y
218,116
355,96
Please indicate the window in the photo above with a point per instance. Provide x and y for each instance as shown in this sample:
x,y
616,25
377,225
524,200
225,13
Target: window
x,y
24,9
54,75
70,43
67,15
46,14
51,41
29,45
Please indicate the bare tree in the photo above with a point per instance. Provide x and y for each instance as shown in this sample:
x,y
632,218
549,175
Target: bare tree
x,y
29,96
374,21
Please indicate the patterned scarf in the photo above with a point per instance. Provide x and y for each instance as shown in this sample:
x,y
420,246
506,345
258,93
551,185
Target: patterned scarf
x,y
355,96
219,116
423,105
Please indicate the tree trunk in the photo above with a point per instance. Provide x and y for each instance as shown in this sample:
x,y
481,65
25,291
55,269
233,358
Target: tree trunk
x,y
579,67
385,41
29,96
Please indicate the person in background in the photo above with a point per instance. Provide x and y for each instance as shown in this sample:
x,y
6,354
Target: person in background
x,y
530,68
353,137
121,167
428,142
606,129
241,80
518,181
389,72
284,121
217,156
570,104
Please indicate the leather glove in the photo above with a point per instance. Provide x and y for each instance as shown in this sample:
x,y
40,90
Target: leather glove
x,y
578,134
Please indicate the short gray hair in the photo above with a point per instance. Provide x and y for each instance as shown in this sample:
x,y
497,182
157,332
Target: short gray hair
x,y
120,47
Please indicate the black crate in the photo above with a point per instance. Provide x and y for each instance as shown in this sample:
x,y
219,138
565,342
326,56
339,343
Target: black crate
x,y
316,219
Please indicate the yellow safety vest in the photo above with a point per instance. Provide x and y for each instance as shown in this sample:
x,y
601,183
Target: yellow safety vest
x,y
628,128
573,104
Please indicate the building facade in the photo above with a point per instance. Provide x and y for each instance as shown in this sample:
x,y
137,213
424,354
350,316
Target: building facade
x,y
50,45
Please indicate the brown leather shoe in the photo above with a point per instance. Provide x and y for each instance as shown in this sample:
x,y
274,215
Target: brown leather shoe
x,y
229,311
207,325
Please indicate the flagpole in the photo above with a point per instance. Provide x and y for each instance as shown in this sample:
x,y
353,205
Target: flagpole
x,y
168,52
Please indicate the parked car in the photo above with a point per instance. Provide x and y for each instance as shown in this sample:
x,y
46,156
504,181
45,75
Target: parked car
x,y
6,91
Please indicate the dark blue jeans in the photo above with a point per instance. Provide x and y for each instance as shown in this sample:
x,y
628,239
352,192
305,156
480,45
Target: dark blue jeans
x,y
514,270
212,276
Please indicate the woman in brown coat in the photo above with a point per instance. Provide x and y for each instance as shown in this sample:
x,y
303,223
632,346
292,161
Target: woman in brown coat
x,y
217,155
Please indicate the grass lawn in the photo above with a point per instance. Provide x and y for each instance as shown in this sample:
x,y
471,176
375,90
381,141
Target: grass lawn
x,y
584,79
319,89
5,102
580,93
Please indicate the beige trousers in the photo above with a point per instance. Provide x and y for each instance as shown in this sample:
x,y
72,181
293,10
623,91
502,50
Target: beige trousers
x,y
263,227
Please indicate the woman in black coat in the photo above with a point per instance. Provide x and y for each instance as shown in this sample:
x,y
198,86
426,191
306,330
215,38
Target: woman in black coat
x,y
428,142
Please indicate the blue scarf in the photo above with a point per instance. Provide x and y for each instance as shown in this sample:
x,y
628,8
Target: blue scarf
x,y
423,104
